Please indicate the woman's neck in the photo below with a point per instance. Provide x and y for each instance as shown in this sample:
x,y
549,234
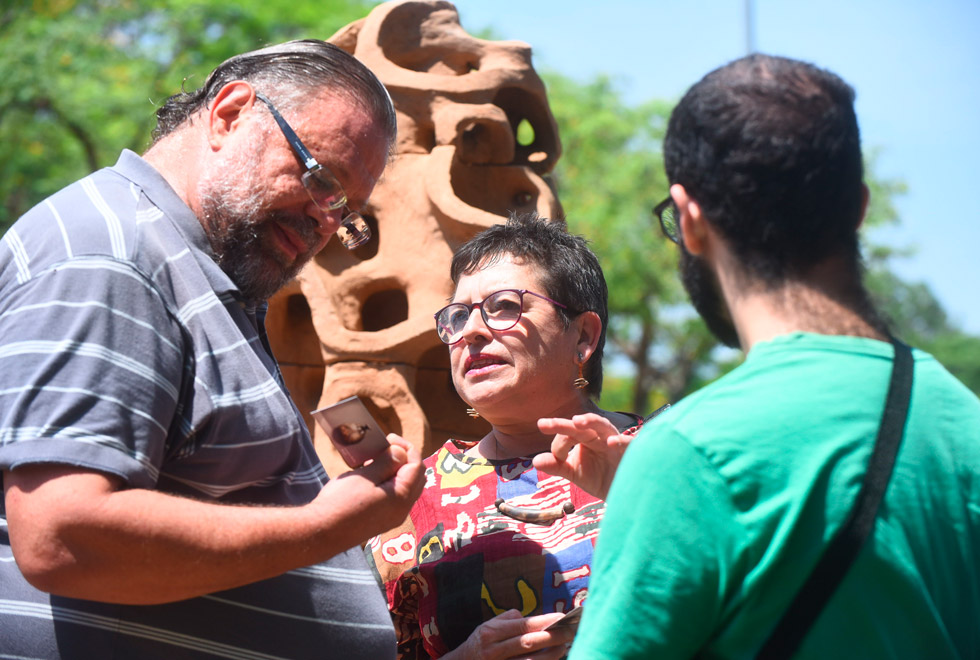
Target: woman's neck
x,y
516,438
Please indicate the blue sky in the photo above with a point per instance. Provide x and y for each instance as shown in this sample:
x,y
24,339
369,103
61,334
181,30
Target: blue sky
x,y
915,66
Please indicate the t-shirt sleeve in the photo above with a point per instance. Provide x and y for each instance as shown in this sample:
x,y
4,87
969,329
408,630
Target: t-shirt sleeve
x,y
91,366
667,548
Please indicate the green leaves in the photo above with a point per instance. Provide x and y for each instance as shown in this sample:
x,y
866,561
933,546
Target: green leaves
x,y
609,178
83,78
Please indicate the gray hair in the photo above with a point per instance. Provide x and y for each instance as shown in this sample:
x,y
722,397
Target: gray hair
x,y
286,73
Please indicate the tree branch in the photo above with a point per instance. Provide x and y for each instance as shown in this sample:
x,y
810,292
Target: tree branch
x,y
76,129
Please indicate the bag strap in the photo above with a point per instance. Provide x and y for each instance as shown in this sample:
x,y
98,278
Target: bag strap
x,y
844,547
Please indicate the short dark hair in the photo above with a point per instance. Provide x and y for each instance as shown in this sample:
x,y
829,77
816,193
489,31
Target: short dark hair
x,y
286,73
570,271
769,147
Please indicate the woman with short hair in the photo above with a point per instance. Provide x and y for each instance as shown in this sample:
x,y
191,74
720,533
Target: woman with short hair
x,y
495,550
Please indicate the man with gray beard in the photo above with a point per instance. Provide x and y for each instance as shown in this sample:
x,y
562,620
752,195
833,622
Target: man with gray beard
x,y
162,497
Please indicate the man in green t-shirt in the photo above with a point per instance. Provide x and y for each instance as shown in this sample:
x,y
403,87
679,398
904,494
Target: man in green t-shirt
x,y
721,508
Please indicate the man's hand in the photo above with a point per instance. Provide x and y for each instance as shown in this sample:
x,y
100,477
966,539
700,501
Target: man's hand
x,y
378,495
586,451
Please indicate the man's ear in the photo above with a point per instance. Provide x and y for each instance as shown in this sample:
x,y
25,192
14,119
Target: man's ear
x,y
692,223
589,329
228,110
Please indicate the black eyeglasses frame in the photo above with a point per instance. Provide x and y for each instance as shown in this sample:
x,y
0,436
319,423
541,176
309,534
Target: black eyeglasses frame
x,y
669,225
318,177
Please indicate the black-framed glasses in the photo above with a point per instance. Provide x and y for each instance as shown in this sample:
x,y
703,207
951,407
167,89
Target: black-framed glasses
x,y
666,212
323,187
501,310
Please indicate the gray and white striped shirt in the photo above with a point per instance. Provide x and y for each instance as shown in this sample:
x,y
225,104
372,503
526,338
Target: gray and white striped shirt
x,y
124,348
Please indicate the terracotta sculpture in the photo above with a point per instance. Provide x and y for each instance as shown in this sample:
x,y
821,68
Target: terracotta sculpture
x,y
360,322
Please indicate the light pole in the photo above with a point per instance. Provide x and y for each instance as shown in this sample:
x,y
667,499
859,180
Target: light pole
x,y
749,28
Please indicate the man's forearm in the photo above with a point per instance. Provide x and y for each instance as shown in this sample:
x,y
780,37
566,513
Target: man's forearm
x,y
73,533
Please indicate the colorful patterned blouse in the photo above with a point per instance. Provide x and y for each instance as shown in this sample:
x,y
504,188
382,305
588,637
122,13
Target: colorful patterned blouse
x,y
457,562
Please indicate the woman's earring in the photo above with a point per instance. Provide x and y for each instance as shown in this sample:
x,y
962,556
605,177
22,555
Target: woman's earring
x,y
472,413
580,383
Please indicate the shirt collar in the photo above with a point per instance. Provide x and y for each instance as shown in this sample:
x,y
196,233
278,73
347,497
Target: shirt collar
x,y
160,193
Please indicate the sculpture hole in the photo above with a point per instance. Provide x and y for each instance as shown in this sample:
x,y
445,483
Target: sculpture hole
x,y
425,136
537,145
525,133
523,199
384,309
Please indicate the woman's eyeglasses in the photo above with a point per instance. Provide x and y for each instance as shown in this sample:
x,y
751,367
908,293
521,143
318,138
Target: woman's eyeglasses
x,y
323,187
501,310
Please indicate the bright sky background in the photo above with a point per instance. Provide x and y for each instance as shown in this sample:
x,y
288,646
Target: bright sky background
x,y
915,67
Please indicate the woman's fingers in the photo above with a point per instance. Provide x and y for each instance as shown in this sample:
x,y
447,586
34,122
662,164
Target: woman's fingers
x,y
511,635
590,430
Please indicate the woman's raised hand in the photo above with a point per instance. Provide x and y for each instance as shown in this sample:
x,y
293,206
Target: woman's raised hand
x,y
586,450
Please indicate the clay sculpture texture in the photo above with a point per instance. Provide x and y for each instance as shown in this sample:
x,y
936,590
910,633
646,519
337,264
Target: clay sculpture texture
x,y
360,322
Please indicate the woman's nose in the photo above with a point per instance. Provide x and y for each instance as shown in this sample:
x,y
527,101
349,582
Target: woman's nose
x,y
475,326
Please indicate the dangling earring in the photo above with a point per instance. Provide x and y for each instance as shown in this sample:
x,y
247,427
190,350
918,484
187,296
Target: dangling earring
x,y
472,413
580,383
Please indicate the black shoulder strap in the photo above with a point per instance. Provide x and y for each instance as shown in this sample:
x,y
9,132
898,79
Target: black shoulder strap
x,y
844,547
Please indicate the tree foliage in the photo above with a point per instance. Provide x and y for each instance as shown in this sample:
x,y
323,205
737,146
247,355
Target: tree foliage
x,y
83,78
609,178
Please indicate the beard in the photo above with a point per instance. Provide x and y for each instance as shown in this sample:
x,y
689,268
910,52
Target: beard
x,y
702,287
238,228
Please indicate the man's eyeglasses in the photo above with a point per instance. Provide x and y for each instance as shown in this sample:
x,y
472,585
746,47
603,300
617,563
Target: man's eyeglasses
x,y
501,310
323,187
666,212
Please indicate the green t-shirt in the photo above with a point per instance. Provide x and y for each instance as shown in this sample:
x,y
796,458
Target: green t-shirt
x,y
722,506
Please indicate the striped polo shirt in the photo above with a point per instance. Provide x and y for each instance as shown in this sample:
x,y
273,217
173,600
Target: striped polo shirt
x,y
124,348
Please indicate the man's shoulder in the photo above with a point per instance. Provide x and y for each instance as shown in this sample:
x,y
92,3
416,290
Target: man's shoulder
x,y
88,217
105,217
938,383
785,385
812,387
